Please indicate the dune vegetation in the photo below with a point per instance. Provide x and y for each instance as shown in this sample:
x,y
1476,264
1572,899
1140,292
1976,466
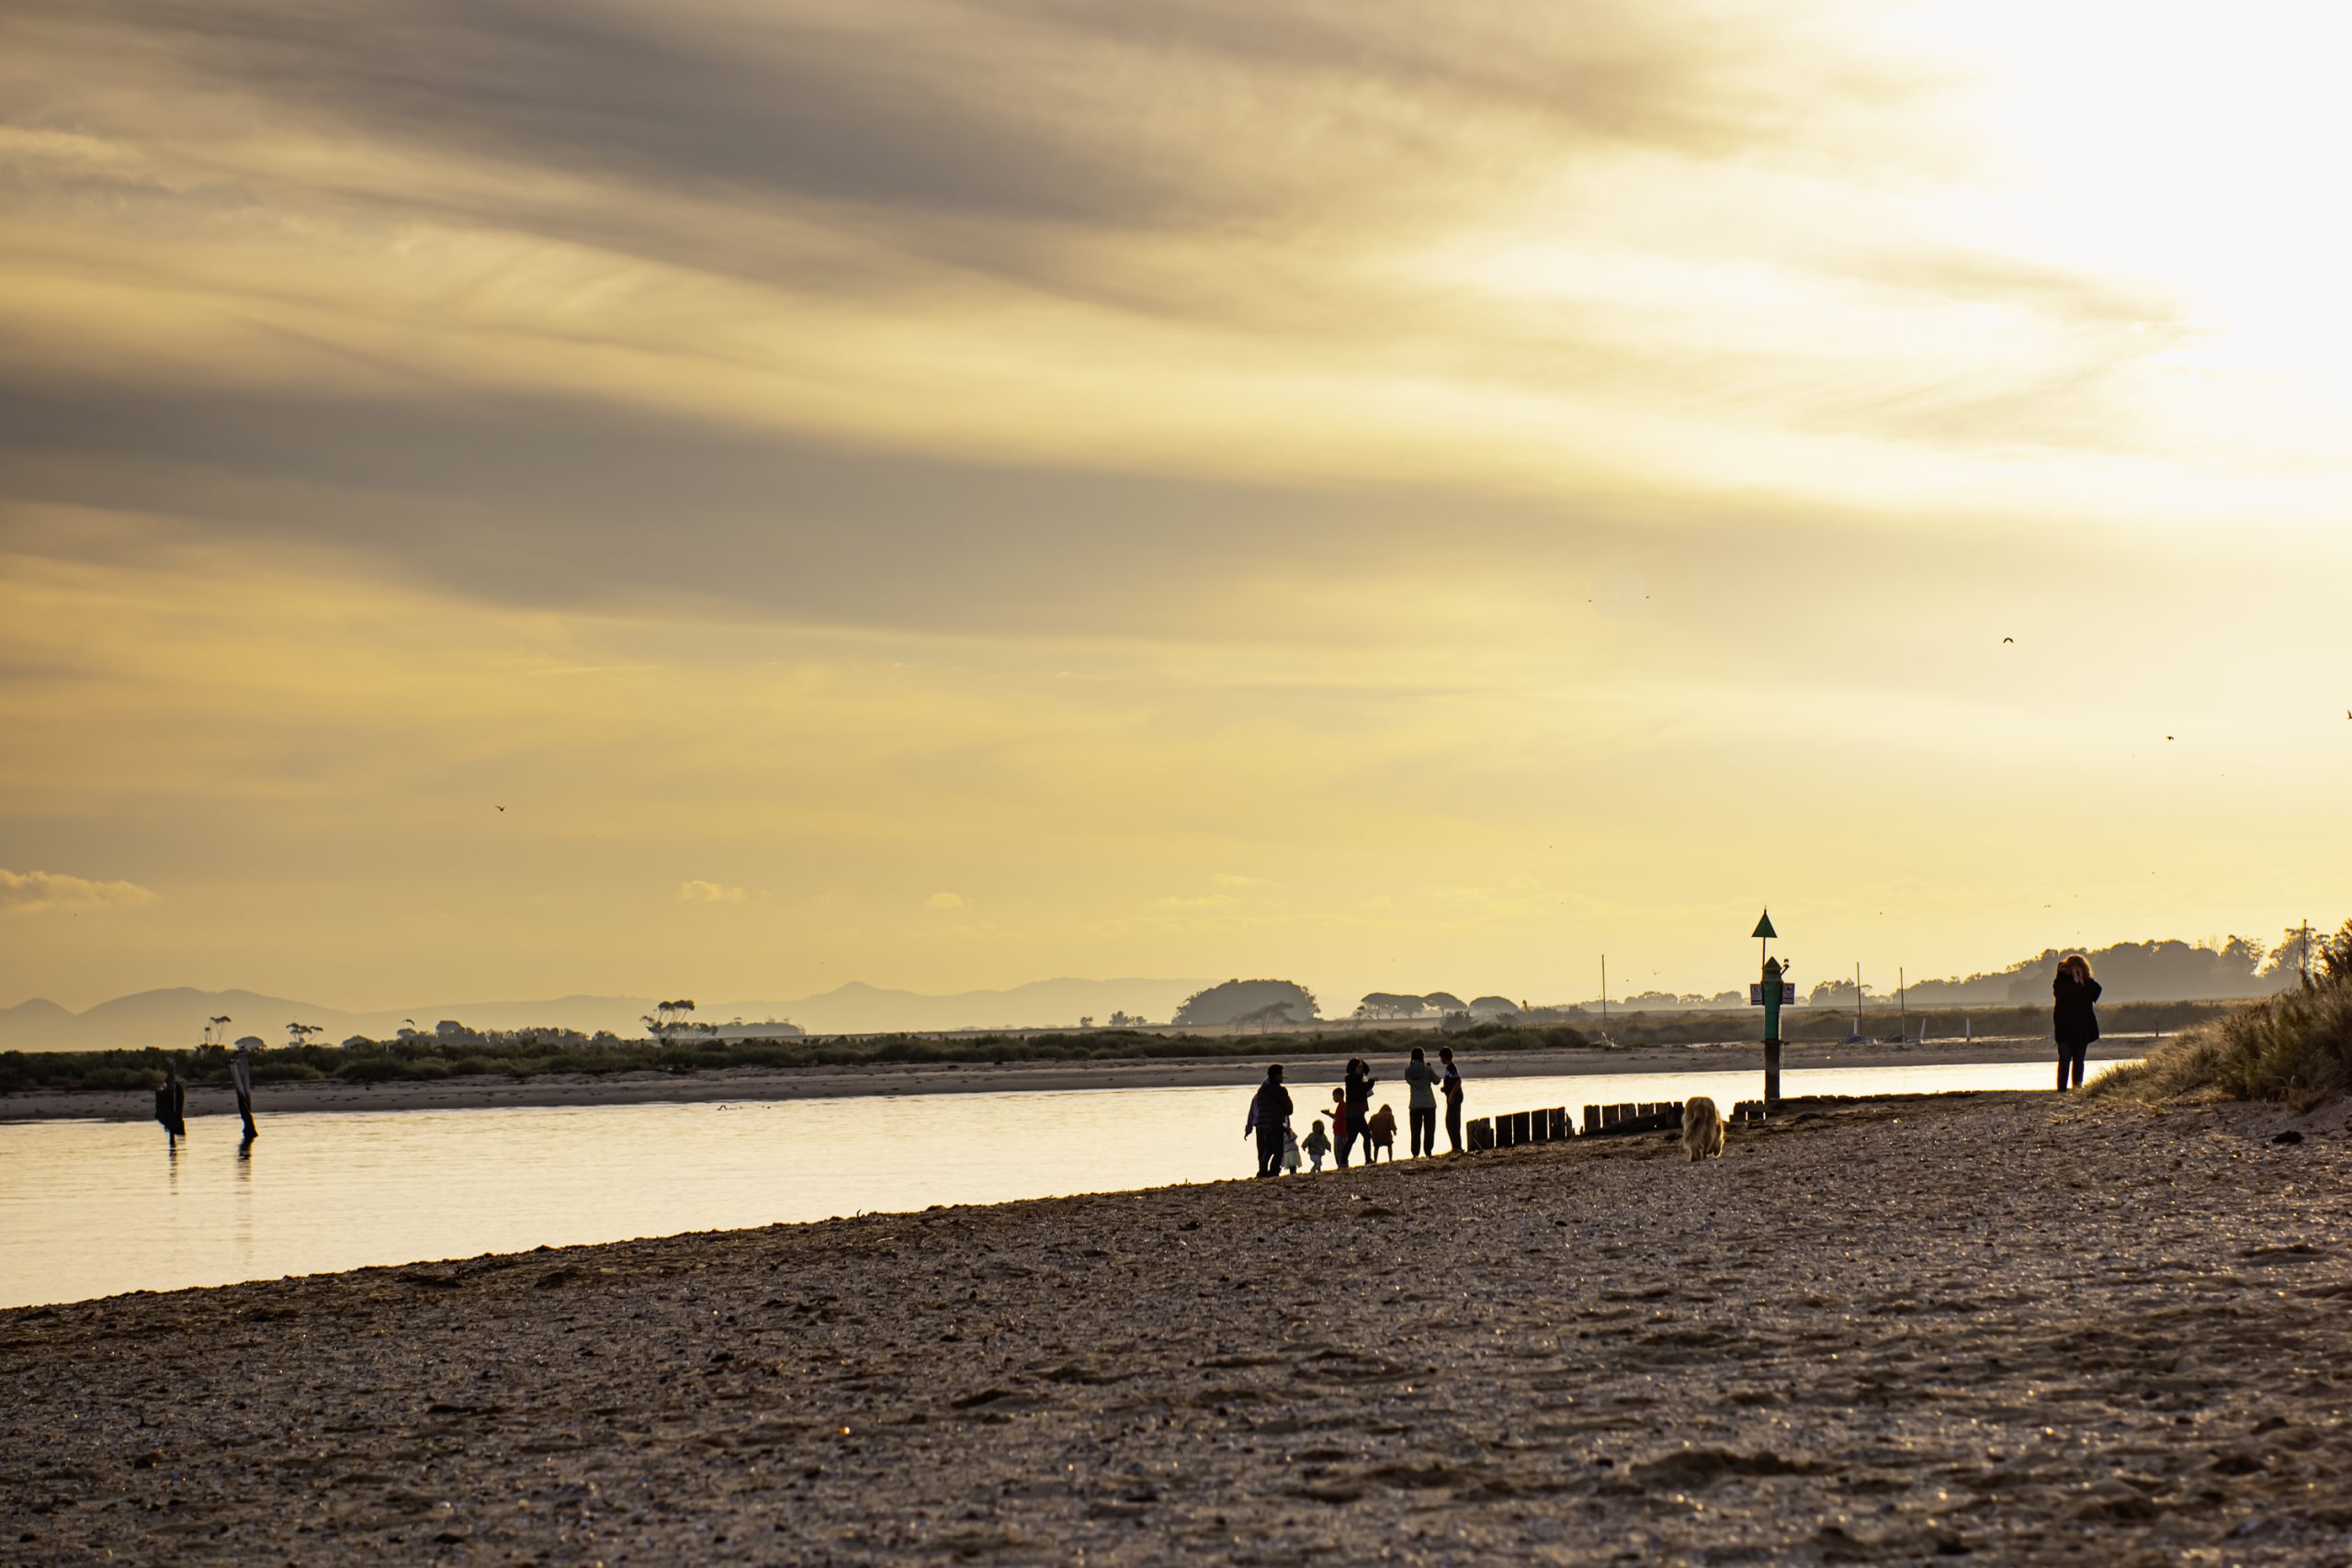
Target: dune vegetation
x,y
2295,1047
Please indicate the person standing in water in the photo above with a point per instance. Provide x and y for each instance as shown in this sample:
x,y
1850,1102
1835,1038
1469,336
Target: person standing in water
x,y
1340,1129
2074,1020
1420,1109
1450,1085
1270,1119
241,1078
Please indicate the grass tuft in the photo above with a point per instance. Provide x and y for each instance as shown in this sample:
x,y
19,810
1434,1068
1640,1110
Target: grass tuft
x,y
2295,1048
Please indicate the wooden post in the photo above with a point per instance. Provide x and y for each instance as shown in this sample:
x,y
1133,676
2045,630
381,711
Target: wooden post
x,y
1520,1130
1592,1120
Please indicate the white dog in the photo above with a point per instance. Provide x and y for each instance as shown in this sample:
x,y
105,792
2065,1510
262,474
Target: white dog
x,y
1703,1129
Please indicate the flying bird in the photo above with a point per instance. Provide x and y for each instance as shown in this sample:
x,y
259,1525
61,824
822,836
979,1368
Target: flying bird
x,y
2008,639
502,808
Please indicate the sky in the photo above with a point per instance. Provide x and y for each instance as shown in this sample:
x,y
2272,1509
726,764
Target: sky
x,y
519,497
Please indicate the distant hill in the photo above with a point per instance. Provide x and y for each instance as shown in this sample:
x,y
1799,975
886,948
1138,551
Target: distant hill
x,y
177,1016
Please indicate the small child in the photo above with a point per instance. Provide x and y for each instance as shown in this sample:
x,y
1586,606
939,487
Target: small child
x,y
1290,1150
1318,1144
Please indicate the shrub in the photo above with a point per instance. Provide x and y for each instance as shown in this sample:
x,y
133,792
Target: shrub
x,y
2295,1047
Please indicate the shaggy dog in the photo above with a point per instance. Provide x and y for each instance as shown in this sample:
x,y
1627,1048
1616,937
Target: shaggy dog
x,y
1382,1132
1703,1129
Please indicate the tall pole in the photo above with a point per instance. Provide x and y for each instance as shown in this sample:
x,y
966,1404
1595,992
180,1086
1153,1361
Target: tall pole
x,y
1902,1006
1771,992
1858,999
1604,995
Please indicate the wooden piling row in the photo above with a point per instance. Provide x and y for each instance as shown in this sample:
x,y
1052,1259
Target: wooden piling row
x,y
1513,1128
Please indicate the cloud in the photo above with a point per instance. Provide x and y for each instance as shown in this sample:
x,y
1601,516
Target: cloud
x,y
1205,901
699,892
31,891
944,901
1235,879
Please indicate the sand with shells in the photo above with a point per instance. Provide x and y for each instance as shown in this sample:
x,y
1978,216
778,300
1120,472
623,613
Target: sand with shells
x,y
2014,1328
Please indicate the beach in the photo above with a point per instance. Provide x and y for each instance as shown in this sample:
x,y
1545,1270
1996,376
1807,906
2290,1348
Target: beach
x,y
485,1091
2014,1328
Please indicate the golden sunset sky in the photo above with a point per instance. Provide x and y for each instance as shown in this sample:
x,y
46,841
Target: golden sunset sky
x,y
1394,496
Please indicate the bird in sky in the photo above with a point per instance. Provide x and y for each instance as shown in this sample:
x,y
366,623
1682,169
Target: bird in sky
x,y
2167,737
2008,639
502,808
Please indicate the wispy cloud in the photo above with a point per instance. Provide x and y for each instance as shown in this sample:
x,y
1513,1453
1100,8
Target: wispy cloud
x,y
31,891
698,892
945,901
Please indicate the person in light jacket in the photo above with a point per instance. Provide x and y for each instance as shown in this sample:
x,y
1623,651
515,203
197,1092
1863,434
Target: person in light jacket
x,y
1420,1109
2074,1020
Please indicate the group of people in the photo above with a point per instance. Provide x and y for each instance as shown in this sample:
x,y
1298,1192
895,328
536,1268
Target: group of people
x,y
1355,1126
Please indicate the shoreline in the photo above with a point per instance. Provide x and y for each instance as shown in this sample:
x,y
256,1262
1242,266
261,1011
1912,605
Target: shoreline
x,y
834,1082
2010,1326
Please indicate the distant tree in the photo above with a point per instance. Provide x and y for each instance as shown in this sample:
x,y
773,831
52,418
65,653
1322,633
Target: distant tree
x,y
1391,1004
1086,1023
1446,1001
1495,1007
1267,1016
1229,1002
2332,956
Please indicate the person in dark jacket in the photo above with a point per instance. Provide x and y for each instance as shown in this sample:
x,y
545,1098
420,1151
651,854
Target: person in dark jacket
x,y
2075,1020
1270,1119
1359,1088
1450,1085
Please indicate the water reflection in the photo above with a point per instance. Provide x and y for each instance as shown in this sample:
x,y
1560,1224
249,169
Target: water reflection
x,y
82,1214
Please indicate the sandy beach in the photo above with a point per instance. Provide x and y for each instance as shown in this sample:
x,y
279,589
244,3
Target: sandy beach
x,y
894,1077
2012,1327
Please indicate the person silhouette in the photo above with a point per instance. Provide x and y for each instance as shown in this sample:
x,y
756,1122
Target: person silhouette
x,y
1451,1088
2073,1016
1269,1120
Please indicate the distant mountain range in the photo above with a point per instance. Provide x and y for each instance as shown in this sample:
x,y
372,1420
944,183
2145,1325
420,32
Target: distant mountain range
x,y
176,1017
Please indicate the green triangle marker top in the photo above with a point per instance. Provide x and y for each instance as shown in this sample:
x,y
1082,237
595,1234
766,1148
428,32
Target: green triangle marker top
x,y
1764,926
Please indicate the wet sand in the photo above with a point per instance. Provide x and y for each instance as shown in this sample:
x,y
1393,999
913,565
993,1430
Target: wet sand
x,y
2011,1327
896,1077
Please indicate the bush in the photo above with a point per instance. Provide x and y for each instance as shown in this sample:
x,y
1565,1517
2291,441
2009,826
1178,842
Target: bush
x,y
2295,1047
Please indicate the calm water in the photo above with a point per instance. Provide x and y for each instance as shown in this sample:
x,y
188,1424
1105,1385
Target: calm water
x,y
93,1208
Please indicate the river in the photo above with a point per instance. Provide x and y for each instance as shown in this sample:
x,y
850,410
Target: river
x,y
94,1208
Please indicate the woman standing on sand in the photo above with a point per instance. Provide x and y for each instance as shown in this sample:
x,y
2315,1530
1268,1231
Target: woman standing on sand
x,y
1420,1110
1452,1089
2074,1021
1359,1082
1340,1124
1270,1119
